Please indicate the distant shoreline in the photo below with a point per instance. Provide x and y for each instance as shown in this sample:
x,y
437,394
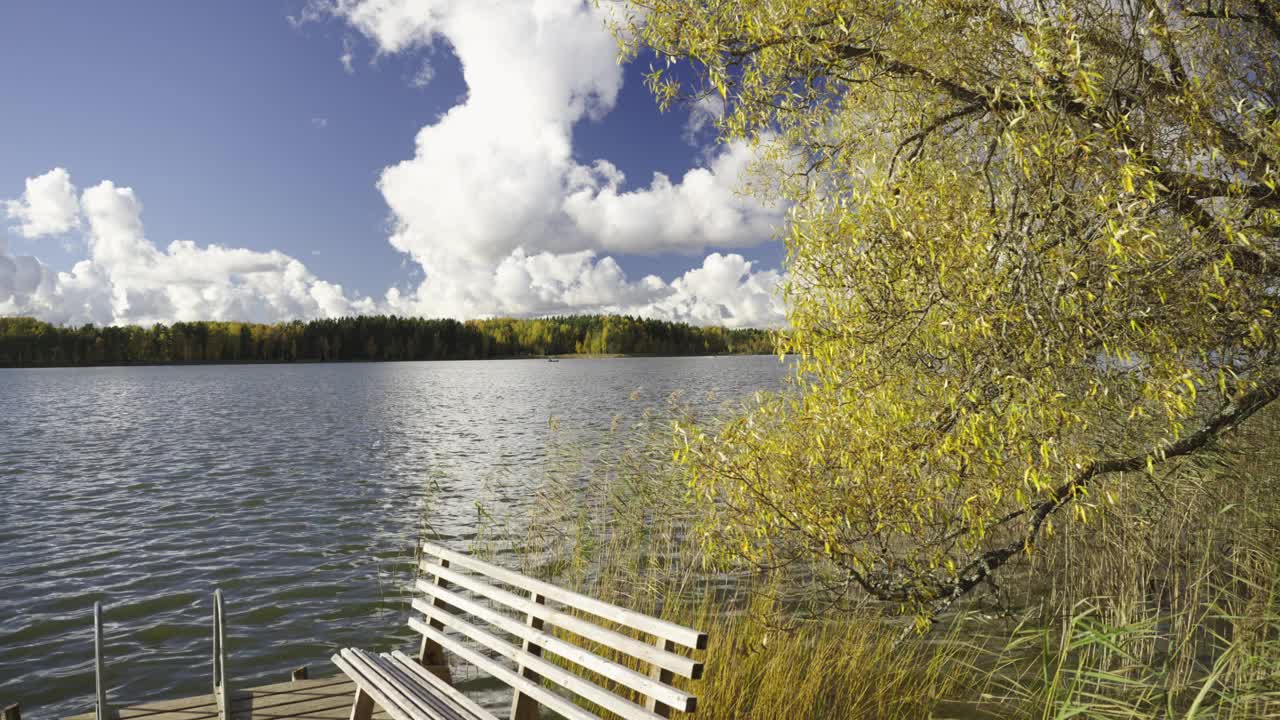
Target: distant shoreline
x,y
29,343
362,361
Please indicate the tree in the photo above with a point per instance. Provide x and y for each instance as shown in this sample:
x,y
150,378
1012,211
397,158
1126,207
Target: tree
x,y
26,341
1032,252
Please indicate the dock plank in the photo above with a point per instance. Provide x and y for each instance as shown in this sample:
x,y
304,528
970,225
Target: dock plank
x,y
194,703
305,686
320,699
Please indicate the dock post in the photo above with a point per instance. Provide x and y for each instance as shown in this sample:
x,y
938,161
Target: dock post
x,y
102,709
13,712
221,693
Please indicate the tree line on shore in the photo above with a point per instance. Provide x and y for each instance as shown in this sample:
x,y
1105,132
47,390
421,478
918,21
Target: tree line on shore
x,y
26,342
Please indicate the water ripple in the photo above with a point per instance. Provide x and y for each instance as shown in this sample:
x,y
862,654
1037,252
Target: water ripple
x,y
299,490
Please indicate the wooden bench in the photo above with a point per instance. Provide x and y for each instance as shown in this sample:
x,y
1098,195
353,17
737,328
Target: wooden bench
x,y
419,688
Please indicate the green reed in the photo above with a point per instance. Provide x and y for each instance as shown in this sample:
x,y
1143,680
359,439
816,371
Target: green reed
x,y
1169,607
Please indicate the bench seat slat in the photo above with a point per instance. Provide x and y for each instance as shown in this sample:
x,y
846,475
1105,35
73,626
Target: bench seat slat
x,y
426,676
679,664
405,691
687,637
545,697
434,702
576,684
368,683
582,657
409,696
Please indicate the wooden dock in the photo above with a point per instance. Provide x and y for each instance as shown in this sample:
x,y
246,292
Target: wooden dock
x,y
464,595
321,699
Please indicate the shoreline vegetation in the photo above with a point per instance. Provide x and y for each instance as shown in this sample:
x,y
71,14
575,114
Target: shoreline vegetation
x,y
1037,341
27,342
1169,609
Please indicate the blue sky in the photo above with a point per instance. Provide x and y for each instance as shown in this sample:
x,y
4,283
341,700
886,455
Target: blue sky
x,y
267,127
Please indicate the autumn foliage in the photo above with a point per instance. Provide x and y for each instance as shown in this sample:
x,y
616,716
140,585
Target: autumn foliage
x,y
1033,252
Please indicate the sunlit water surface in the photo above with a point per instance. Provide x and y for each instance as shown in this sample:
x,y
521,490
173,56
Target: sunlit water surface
x,y
299,490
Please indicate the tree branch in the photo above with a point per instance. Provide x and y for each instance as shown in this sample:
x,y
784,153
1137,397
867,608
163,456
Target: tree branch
x,y
1224,420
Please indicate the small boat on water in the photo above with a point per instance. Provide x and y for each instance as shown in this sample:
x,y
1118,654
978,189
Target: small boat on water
x,y
553,359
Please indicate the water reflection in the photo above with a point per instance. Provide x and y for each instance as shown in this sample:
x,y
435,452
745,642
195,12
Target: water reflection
x,y
297,489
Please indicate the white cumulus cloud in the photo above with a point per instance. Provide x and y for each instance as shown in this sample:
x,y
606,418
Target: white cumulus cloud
x,y
27,286
48,205
703,210
127,279
494,206
703,113
725,290
496,209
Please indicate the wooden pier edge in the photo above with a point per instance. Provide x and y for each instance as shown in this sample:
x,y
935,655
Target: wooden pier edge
x,y
327,698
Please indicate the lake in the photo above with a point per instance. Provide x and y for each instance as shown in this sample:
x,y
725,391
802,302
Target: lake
x,y
300,490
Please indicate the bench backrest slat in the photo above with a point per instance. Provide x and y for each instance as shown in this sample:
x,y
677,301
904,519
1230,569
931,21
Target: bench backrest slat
x,y
679,664
552,644
461,598
687,637
579,686
535,690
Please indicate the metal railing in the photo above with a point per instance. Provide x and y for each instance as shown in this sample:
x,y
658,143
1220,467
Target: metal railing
x,y
221,688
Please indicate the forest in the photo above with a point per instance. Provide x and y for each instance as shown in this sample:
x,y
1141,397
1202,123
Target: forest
x,y
27,342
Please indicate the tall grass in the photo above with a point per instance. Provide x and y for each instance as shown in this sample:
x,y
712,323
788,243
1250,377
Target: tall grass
x,y
612,522
1088,666
1167,606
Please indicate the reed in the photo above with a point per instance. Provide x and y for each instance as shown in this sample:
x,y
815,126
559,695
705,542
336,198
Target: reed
x,y
1167,606
613,522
